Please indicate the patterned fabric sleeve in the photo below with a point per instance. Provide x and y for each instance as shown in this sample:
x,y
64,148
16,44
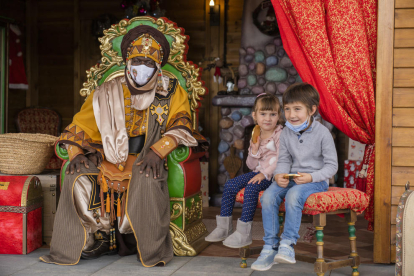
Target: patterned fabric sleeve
x,y
180,116
179,123
76,136
180,120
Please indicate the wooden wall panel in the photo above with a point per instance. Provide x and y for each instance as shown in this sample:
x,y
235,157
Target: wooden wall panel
x,y
400,175
16,98
394,214
404,57
404,18
393,253
189,15
393,234
404,38
233,35
396,193
403,117
402,156
55,57
403,97
403,137
404,3
404,77
393,248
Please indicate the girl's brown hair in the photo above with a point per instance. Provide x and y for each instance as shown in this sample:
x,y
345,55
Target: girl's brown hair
x,y
303,93
268,102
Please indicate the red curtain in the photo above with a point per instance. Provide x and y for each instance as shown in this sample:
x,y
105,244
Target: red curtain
x,y
332,44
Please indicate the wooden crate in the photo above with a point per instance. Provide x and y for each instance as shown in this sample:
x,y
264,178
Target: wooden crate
x,y
51,193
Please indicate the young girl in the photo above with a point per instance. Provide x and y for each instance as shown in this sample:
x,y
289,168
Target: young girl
x,y
307,149
262,159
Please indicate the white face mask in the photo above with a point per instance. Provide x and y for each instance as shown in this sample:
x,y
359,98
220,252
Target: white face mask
x,y
141,74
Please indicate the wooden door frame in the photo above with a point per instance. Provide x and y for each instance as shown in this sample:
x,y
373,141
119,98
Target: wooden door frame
x,y
383,132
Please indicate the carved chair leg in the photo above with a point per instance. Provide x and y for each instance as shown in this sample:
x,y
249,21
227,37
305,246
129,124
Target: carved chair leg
x,y
244,254
319,221
351,218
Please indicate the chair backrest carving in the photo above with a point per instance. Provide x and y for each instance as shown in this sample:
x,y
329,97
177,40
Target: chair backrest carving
x,y
38,120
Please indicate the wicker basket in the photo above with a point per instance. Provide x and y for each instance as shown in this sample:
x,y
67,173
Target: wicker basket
x,y
25,153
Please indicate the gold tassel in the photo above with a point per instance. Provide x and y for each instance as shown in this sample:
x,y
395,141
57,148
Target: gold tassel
x,y
118,209
101,195
104,185
108,203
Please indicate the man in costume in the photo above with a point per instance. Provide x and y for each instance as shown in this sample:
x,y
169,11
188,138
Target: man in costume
x,y
142,113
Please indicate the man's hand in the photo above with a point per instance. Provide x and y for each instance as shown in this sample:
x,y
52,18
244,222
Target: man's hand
x,y
150,162
281,182
95,158
75,164
257,179
303,179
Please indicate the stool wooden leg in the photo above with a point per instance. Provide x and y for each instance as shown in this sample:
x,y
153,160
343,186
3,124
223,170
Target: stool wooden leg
x,y
351,218
244,253
319,221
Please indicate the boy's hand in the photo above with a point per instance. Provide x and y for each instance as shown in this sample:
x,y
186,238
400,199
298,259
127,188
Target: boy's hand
x,y
257,179
255,146
303,179
281,182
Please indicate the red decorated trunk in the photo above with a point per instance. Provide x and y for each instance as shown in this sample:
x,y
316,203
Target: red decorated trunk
x,y
20,214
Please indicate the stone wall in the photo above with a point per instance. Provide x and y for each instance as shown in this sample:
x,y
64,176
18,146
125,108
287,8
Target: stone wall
x,y
269,70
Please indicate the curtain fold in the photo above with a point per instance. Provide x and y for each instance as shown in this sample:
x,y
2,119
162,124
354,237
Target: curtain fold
x,y
332,44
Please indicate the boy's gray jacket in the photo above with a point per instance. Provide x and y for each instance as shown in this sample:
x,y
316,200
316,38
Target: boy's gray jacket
x,y
312,152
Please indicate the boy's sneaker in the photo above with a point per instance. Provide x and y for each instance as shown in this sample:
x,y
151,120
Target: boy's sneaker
x,y
285,255
265,260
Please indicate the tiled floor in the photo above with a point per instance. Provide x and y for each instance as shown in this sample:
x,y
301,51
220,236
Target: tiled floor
x,y
24,265
216,259
335,237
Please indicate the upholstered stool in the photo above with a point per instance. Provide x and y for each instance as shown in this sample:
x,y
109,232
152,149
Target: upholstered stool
x,y
349,202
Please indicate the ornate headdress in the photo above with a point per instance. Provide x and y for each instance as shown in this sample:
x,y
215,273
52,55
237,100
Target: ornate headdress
x,y
146,41
145,46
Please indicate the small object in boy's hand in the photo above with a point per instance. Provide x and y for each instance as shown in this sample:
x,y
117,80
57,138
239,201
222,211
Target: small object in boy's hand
x,y
291,176
255,134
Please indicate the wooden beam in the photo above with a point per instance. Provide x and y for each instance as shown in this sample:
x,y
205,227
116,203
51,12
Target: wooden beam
x,y
77,101
32,55
214,48
383,133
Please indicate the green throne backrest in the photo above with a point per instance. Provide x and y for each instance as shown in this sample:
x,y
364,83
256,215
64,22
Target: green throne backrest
x,y
112,65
